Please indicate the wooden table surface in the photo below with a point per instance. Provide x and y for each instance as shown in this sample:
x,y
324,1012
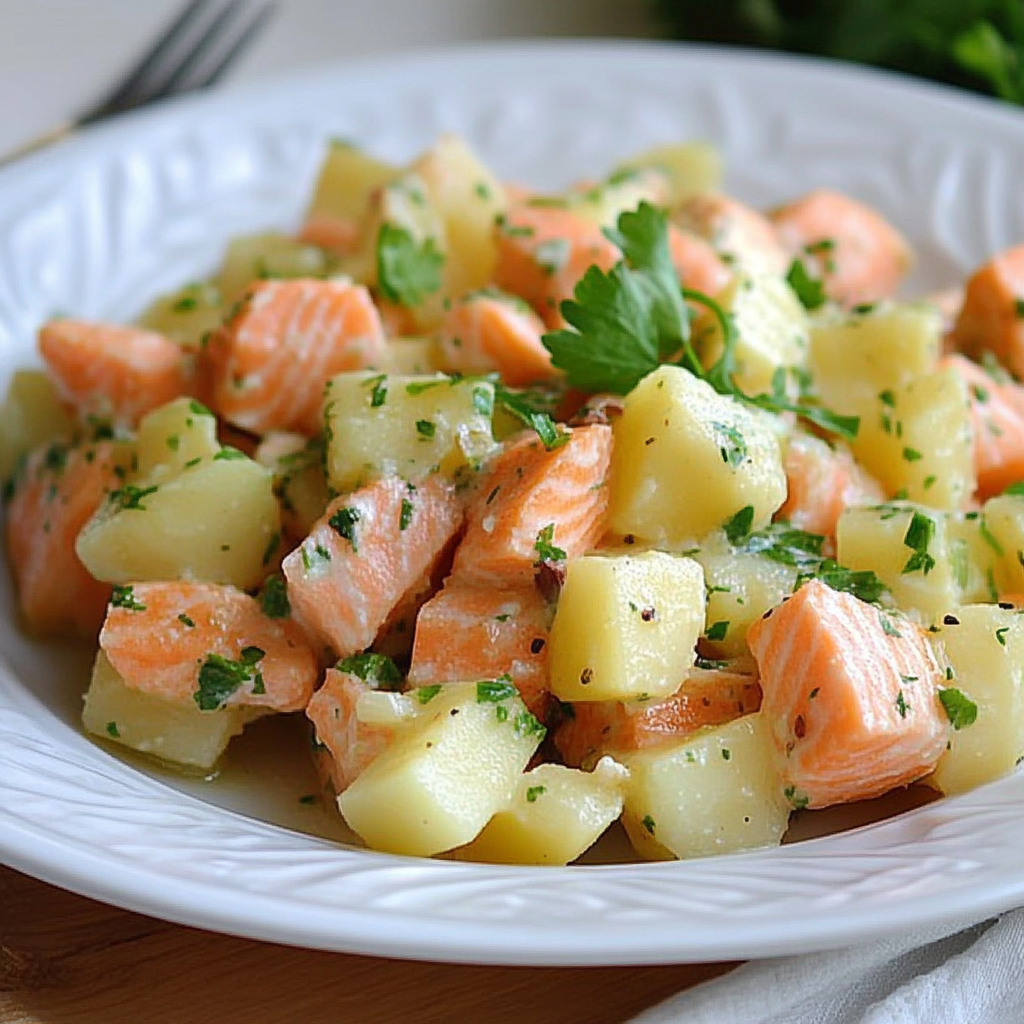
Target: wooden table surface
x,y
65,959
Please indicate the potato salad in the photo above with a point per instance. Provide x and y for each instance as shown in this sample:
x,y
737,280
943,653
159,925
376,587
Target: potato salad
x,y
626,504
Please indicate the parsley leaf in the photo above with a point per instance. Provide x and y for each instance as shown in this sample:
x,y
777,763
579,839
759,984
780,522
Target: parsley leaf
x,y
808,289
274,601
493,691
545,548
407,272
920,532
739,525
377,670
220,677
124,597
642,235
526,407
343,523
960,709
614,344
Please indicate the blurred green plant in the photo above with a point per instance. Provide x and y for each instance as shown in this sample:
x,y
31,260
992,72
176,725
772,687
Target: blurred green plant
x,y
978,44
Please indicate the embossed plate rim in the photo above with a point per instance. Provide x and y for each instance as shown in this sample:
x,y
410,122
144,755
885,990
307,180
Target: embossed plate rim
x,y
935,872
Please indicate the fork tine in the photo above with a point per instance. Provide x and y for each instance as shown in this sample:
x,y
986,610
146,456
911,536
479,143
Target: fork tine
x,y
212,34
124,93
241,43
192,73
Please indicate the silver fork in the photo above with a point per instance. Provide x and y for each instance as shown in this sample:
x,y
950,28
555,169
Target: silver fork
x,y
193,52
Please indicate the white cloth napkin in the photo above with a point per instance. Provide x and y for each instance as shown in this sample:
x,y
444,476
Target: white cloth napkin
x,y
937,976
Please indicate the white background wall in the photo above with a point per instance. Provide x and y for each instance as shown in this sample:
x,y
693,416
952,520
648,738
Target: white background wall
x,y
57,55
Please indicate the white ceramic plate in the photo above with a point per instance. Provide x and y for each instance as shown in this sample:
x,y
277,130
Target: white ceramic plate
x,y
104,223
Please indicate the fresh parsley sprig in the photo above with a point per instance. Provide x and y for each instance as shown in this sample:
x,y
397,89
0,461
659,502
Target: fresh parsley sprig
x,y
624,323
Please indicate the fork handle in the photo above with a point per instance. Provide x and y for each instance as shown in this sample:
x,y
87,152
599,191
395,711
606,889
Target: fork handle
x,y
49,138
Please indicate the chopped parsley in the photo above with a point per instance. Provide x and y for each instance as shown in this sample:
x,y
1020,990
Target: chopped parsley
x,y
912,455
130,498
112,730
425,694
533,792
274,598
220,677
1001,635
901,705
419,387
1018,308
407,271
524,407
187,620
960,709
343,523
378,390
405,516
920,532
717,631
526,724
648,823
988,537
198,409
738,526
797,801
809,290
124,597
494,691
426,429
229,454
1015,490
378,670
545,547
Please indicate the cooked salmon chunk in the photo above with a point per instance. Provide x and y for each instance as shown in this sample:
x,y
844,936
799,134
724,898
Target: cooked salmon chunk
x,y
737,232
992,316
367,552
851,693
858,255
473,631
269,363
351,744
209,644
707,697
52,497
110,372
823,480
491,331
543,251
997,426
528,490
697,264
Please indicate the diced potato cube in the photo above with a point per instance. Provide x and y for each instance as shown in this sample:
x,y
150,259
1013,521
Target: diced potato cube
x,y
626,626
299,481
171,437
467,197
31,415
413,356
986,653
255,257
407,425
741,587
557,814
916,440
693,168
855,358
772,327
348,178
624,190
717,792
187,315
908,549
179,733
442,779
687,459
217,521
1004,518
